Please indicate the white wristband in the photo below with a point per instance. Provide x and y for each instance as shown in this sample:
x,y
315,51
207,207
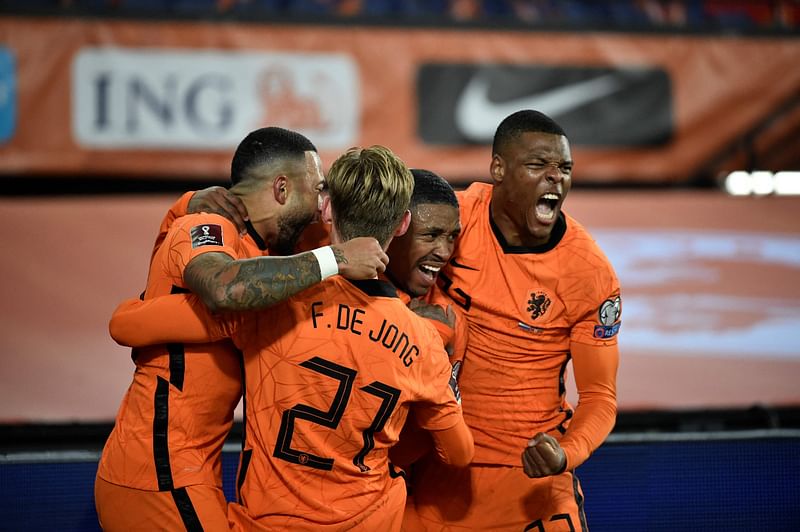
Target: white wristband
x,y
327,261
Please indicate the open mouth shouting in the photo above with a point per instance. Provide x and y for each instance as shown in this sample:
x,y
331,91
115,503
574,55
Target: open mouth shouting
x,y
429,271
546,208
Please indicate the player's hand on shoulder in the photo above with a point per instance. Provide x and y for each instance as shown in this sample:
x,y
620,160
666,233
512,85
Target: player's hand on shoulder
x,y
360,258
543,456
219,200
433,312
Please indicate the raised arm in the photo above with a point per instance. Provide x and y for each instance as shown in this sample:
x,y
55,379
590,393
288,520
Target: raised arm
x,y
216,199
455,445
225,284
438,411
595,368
164,319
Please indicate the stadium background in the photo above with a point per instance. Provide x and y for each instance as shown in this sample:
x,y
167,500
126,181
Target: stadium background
x,y
108,110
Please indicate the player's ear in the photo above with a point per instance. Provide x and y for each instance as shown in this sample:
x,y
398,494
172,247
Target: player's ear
x,y
497,168
325,210
404,223
279,189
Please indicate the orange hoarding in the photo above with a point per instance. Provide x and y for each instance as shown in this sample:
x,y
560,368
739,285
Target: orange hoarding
x,y
710,298
172,99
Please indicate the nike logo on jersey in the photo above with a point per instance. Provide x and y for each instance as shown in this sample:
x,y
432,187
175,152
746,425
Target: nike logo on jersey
x,y
455,264
477,116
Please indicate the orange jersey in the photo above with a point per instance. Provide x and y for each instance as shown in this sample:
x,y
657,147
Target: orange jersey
x,y
330,377
529,311
178,410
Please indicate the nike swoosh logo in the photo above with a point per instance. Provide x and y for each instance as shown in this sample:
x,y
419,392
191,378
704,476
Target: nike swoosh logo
x,y
456,264
477,117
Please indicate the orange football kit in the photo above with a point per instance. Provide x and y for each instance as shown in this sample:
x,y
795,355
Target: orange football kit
x,y
529,312
330,377
161,465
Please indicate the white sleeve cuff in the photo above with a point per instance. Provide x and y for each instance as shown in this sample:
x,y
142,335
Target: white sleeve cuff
x,y
327,261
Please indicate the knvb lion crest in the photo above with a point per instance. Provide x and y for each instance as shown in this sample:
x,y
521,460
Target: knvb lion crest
x,y
538,304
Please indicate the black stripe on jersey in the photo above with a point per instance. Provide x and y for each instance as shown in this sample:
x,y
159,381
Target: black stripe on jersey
x,y
375,287
395,472
177,365
562,389
160,443
556,235
255,236
567,416
177,357
186,510
579,502
244,463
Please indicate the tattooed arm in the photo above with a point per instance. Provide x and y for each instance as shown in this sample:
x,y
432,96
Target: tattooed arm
x,y
225,284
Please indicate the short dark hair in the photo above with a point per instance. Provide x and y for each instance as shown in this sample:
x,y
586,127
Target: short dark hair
x,y
431,188
525,121
266,145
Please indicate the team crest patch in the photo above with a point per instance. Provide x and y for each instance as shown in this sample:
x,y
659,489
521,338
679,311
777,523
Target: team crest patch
x,y
608,315
206,235
538,304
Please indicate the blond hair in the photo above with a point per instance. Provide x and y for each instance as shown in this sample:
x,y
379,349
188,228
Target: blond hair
x,y
370,189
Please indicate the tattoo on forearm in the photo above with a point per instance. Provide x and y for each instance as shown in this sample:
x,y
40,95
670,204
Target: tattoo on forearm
x,y
339,254
254,283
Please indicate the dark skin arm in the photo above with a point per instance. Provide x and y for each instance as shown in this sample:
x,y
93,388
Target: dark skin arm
x,y
219,200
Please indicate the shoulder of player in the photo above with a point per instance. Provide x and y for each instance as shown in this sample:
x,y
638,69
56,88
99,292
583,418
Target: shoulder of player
x,y
472,199
187,221
578,238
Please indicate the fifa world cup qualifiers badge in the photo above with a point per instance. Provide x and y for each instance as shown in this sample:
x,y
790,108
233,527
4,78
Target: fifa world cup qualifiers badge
x,y
206,235
608,316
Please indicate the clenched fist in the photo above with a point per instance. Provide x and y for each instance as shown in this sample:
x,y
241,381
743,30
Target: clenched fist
x,y
543,457
360,258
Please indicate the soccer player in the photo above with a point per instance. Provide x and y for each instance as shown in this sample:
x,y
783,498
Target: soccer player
x,y
332,373
537,293
415,259
160,467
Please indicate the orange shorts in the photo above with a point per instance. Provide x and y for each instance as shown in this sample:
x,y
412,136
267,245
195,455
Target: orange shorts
x,y
191,508
384,516
480,497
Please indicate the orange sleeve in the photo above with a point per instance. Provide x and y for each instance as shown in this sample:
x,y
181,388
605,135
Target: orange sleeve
x,y
460,337
455,445
414,443
445,332
595,368
178,209
453,337
166,319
